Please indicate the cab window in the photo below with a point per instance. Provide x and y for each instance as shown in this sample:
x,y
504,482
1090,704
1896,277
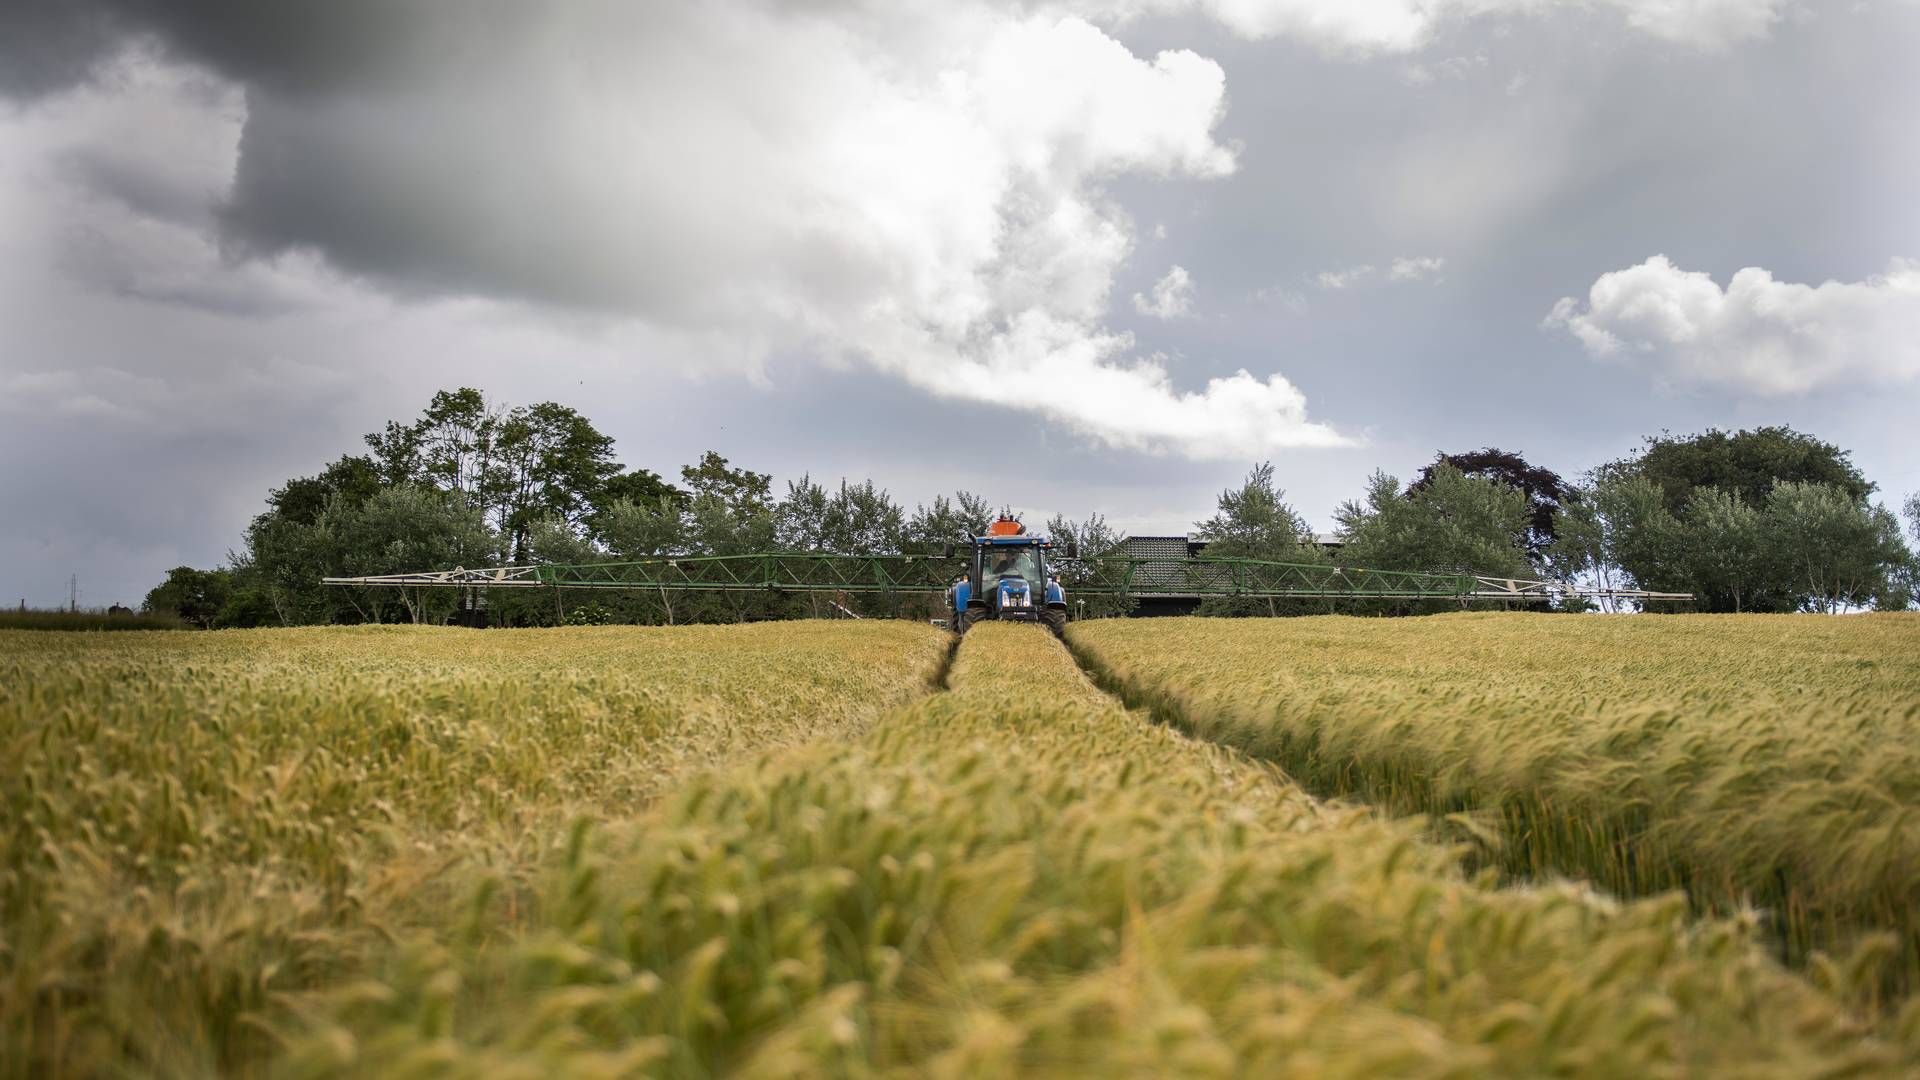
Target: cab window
x,y
1011,562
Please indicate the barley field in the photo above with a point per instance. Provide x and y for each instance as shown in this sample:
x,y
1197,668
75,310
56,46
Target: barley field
x,y
195,824
781,850
1756,762
1017,876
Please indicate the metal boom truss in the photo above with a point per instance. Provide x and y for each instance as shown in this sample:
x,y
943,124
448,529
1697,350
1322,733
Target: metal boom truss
x,y
1107,576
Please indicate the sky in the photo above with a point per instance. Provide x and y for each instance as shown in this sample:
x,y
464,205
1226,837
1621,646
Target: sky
x,y
1088,256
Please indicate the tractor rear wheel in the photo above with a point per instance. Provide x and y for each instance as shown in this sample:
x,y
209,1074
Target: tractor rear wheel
x,y
1056,620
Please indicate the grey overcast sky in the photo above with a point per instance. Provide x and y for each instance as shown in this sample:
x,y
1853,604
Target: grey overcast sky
x,y
1096,255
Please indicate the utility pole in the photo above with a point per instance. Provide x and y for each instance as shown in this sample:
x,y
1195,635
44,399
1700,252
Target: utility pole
x,y
73,594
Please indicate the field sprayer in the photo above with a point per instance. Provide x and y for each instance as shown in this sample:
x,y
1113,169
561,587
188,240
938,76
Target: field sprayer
x,y
971,580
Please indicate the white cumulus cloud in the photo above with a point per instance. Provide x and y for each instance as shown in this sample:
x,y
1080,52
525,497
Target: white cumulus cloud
x,y
1172,296
1416,267
1758,335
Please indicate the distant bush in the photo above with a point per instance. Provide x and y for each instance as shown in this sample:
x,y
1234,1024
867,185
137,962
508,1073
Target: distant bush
x,y
90,620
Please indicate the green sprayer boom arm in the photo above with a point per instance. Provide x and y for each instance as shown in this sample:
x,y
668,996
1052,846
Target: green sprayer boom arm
x,y
1111,576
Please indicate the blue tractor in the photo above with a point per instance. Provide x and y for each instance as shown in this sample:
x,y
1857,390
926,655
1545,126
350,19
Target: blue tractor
x,y
1008,578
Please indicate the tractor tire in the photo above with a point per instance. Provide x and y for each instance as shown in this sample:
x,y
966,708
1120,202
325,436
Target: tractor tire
x,y
1055,620
974,616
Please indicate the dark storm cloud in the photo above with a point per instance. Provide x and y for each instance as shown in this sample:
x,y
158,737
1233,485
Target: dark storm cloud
x,y
50,45
299,46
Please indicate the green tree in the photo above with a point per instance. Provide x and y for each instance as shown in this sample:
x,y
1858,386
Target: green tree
x,y
303,499
800,519
1091,538
1254,521
976,513
634,529
1642,537
742,491
286,553
1904,590
636,485
449,447
1578,553
1457,523
517,465
407,527
1547,494
864,520
932,526
1746,464
196,596
1724,547
1834,551
545,461
1090,541
731,511
1810,547
1602,528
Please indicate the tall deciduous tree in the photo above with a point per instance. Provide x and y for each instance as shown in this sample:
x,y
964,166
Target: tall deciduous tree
x,y
975,511
856,519
545,461
407,527
1746,464
1547,494
1833,551
1810,546
516,465
1456,523
1254,521
287,551
449,446
1724,547
731,511
934,525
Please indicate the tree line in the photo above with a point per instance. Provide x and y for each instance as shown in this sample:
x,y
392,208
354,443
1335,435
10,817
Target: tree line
x,y
1764,520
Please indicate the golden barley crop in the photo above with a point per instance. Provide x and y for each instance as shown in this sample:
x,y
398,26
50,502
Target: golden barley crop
x,y
393,851
1763,760
193,824
1017,876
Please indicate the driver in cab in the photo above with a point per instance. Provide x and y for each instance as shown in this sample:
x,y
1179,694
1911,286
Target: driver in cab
x,y
1006,564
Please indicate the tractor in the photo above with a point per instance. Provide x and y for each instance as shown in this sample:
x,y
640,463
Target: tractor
x,y
1008,578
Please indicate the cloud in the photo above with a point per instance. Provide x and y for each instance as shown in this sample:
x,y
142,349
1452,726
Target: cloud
x,y
1402,268
901,188
1133,403
1404,26
1705,23
1341,279
1758,335
1283,297
1416,268
1172,296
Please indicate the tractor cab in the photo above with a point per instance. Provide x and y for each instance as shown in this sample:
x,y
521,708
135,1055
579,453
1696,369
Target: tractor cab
x,y
1008,578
